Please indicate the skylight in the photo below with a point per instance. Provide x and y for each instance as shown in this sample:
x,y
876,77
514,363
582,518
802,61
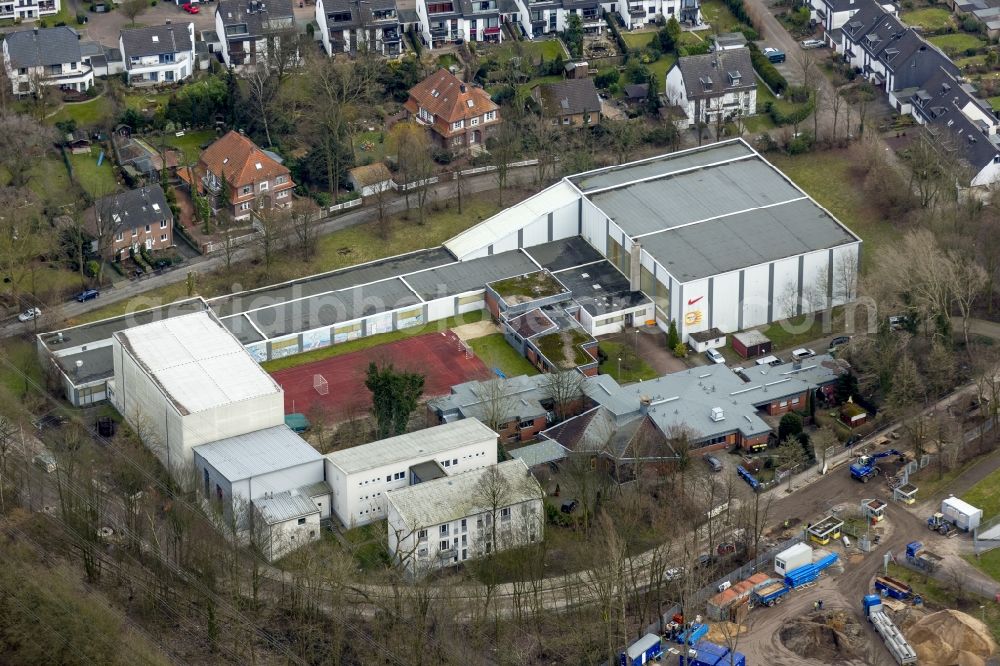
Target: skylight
x,y
259,166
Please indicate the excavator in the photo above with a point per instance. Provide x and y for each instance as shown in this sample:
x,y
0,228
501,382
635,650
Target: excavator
x,y
866,467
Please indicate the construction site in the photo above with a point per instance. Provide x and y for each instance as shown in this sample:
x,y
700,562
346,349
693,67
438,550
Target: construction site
x,y
849,590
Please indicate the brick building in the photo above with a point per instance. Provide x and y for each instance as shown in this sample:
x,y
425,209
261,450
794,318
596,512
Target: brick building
x,y
458,116
141,218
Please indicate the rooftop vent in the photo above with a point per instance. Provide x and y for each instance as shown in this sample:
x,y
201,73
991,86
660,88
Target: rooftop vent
x,y
718,414
156,38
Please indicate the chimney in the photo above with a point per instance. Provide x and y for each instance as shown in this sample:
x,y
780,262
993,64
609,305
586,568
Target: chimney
x,y
168,23
644,403
635,264
79,364
461,87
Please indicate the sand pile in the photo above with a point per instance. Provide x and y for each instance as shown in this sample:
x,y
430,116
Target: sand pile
x,y
951,638
722,633
831,636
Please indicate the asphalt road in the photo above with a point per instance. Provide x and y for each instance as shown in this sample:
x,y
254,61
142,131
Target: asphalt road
x,y
54,314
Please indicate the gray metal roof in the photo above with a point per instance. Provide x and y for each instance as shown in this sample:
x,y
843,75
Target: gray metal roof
x,y
540,453
566,253
332,308
454,497
285,506
332,281
411,447
98,364
658,166
600,288
673,200
40,47
257,452
240,326
469,275
718,73
98,331
745,239
156,39
254,17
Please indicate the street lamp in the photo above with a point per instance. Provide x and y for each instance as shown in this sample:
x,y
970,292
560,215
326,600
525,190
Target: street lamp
x,y
619,368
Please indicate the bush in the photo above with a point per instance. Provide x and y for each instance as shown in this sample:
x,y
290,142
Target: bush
x,y
793,117
663,135
751,34
673,339
791,424
322,199
81,18
700,48
92,268
680,350
771,76
800,144
442,155
606,78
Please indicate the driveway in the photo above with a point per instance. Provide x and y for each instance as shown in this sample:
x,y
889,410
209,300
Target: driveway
x,y
104,28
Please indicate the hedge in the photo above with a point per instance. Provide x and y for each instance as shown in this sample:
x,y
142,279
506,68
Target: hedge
x,y
767,71
796,116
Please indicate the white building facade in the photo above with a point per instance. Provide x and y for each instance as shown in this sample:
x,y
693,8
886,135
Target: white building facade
x,y
158,54
448,521
46,57
28,10
187,381
361,476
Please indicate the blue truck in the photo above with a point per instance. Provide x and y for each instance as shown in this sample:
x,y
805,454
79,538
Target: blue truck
x,y
710,654
890,587
769,594
866,467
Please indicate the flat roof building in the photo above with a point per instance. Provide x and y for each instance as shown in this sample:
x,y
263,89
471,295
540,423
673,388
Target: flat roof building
x,y
361,476
451,520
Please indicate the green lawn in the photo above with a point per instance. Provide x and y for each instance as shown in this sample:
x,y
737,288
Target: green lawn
x,y
972,61
96,180
494,352
633,369
543,49
833,179
718,15
190,144
146,101
638,39
86,114
49,179
930,19
376,141
369,342
659,68
697,37
956,42
797,331
985,495
994,102
447,60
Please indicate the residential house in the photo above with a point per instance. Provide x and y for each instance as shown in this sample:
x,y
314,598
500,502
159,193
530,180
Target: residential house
x,y
105,60
370,179
253,30
28,10
572,102
47,57
713,86
158,54
541,17
638,13
361,476
831,15
447,21
451,520
347,25
459,116
141,218
255,178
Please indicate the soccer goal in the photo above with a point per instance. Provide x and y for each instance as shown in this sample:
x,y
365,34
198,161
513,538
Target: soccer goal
x,y
321,385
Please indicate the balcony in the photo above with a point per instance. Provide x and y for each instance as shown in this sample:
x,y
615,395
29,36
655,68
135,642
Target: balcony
x,y
439,31
448,553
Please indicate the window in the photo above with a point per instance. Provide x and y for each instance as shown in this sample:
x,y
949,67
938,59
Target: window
x,y
163,224
245,206
279,180
135,231
263,186
526,424
446,463
422,535
247,189
444,530
147,228
455,461
388,478
163,238
464,526
282,194
302,521
400,475
474,121
422,552
23,71
458,125
566,120
505,513
119,236
503,426
489,115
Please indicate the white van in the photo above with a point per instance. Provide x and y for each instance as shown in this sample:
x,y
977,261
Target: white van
x,y
768,360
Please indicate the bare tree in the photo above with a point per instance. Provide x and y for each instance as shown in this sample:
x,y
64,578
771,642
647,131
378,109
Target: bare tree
x,y
498,402
272,225
8,441
967,281
416,167
306,219
492,492
23,141
506,146
565,389
790,455
263,87
132,9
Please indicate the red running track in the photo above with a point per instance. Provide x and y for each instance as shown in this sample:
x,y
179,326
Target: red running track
x,y
438,356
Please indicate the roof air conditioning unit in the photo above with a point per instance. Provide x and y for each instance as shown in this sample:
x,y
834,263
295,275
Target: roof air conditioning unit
x,y
718,414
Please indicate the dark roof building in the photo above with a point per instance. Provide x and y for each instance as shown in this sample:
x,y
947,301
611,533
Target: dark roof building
x,y
156,40
135,208
568,99
245,26
42,47
715,74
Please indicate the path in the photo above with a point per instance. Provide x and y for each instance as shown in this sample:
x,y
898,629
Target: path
x,y
203,264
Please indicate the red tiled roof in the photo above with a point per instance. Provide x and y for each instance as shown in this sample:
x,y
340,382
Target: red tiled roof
x,y
241,162
442,94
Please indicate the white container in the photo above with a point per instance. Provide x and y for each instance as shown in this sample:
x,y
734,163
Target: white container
x,y
792,558
965,516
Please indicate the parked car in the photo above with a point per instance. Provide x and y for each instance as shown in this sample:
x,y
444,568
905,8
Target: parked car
x,y
840,341
812,43
773,54
87,295
569,506
29,314
674,574
769,360
897,322
714,356
714,463
802,353
705,561
189,8
50,420
727,548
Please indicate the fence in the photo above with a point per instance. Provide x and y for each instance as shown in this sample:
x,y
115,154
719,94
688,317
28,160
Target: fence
x,y
955,577
353,203
762,561
218,246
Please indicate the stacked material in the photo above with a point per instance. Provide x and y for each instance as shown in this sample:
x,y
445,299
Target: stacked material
x,y
951,637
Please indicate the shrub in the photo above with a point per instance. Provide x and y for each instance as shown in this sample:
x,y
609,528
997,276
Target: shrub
x,y
751,34
92,268
791,424
663,135
771,76
606,78
673,339
800,144
442,155
680,350
322,199
81,18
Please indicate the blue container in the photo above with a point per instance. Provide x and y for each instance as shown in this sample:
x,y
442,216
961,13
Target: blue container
x,y
692,634
710,654
826,562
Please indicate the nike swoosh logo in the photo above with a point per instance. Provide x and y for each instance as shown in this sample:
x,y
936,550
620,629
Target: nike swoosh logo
x,y
692,301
